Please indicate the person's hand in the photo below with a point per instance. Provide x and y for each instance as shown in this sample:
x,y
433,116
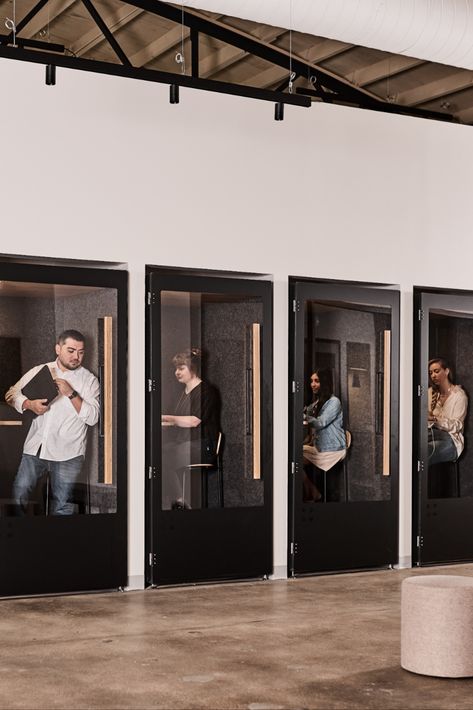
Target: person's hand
x,y
63,387
431,417
38,406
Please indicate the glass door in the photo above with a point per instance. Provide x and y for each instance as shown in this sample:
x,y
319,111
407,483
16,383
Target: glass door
x,y
443,442
343,467
209,428
63,429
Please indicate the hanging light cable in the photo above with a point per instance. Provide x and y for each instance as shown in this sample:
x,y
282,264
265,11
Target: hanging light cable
x,y
180,56
279,107
180,59
11,24
292,75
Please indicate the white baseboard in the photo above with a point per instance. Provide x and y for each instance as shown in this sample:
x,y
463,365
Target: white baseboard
x,y
404,562
136,581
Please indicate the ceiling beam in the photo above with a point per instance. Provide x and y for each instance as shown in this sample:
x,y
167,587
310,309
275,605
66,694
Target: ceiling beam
x,y
118,19
157,47
319,53
42,20
153,75
27,18
465,116
324,49
250,44
447,85
384,69
97,18
267,77
391,107
34,44
228,55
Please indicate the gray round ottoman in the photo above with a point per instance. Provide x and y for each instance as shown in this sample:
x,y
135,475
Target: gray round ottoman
x,y
437,625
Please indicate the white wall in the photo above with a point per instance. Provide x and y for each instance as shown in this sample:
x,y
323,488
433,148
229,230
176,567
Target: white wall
x,y
105,168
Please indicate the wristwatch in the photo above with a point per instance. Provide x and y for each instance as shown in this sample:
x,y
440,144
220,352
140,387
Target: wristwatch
x,y
73,394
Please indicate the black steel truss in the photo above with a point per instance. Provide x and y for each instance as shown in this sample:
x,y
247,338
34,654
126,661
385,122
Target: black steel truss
x,y
324,86
160,77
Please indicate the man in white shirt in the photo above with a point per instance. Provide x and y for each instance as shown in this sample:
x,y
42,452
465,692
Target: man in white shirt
x,y
57,439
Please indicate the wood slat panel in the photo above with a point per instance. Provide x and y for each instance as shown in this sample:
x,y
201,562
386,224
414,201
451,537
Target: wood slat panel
x,y
108,399
387,404
256,357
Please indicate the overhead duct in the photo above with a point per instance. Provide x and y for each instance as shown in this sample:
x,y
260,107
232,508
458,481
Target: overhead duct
x,y
433,30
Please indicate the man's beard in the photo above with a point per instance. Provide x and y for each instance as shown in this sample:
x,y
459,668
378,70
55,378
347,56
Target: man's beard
x,y
69,366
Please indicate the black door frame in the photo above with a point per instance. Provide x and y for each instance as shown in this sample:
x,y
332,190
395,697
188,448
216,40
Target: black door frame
x,y
442,528
245,532
57,554
363,517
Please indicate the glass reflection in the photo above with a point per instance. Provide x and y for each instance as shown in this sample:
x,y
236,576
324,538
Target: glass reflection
x,y
57,423
326,442
448,405
195,423
210,400
346,450
449,454
56,440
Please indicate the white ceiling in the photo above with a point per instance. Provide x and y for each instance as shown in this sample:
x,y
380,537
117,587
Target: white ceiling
x,y
433,30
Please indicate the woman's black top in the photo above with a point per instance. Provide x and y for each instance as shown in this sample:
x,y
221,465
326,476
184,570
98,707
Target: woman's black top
x,y
202,402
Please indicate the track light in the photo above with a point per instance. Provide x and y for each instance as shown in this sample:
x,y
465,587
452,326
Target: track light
x,y
50,74
174,94
279,111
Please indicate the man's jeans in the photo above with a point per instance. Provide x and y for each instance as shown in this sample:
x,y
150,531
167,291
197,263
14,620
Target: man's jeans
x,y
62,477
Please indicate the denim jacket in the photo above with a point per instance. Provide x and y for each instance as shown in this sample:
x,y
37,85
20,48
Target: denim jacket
x,y
328,426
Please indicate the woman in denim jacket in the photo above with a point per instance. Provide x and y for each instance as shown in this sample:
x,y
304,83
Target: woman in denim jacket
x,y
326,442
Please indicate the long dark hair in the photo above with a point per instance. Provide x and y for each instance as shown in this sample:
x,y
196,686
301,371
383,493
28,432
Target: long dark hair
x,y
435,390
326,388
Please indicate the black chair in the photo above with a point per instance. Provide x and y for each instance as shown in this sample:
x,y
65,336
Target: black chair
x,y
444,480
205,469
344,469
457,478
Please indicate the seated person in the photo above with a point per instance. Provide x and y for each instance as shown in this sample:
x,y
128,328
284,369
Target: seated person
x,y
448,405
327,443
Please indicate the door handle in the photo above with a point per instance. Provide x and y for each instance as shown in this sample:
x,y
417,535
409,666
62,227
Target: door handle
x,y
256,397
107,401
387,404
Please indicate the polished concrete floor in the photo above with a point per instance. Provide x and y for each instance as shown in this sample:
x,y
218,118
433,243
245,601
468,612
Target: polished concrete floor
x,y
319,642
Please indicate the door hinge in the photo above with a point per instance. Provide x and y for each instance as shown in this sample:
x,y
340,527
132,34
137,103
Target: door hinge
x,y
152,473
420,541
420,466
151,385
420,390
294,468
152,559
295,387
293,548
420,314
296,306
151,298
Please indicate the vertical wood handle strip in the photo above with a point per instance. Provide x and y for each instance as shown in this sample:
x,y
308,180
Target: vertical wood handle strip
x,y
387,404
108,400
256,357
